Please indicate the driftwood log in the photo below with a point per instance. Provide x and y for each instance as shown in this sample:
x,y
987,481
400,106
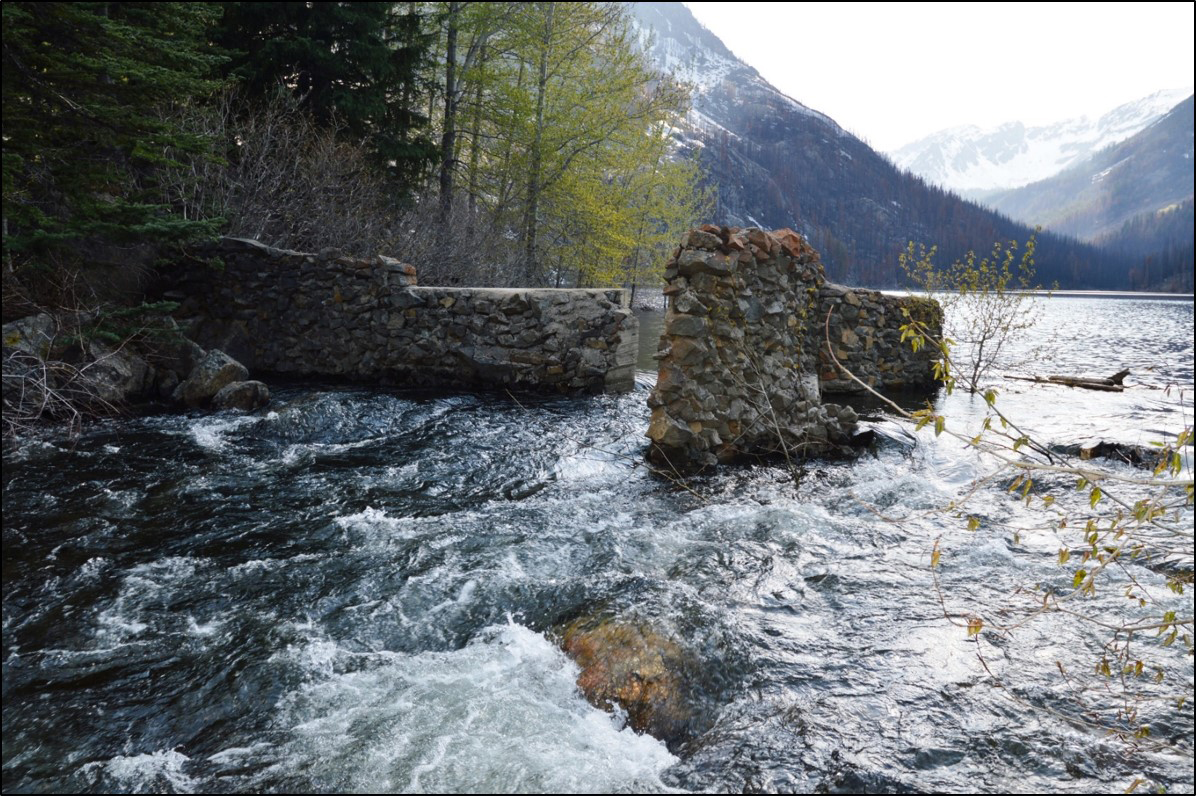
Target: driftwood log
x,y
1112,384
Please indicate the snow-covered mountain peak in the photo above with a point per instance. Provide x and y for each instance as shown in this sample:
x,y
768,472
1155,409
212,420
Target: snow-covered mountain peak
x,y
973,161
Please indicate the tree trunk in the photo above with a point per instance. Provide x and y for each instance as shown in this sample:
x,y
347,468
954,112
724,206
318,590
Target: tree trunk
x,y
506,180
1112,384
448,140
475,146
533,178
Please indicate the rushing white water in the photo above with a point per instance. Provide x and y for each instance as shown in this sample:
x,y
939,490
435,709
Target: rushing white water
x,y
362,591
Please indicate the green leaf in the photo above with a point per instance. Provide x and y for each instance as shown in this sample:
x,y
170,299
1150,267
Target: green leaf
x,y
1078,578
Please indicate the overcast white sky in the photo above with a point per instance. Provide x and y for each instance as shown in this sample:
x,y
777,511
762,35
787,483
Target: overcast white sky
x,y
892,73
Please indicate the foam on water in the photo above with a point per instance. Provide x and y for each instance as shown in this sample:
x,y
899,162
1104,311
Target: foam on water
x,y
159,772
501,715
124,617
210,432
257,566
372,521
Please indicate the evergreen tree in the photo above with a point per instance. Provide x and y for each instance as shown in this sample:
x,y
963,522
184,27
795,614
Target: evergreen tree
x,y
360,64
82,137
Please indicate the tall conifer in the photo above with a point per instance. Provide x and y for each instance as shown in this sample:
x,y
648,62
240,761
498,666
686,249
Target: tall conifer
x,y
83,83
361,64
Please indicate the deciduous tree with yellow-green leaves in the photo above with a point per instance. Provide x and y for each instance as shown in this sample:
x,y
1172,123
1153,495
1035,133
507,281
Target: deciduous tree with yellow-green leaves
x,y
557,124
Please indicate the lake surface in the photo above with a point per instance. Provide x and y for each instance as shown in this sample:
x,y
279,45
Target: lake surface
x,y
357,590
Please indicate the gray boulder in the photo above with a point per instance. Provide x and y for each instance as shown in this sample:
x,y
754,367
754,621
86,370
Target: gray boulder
x,y
165,383
115,375
27,344
216,370
180,356
33,335
38,372
245,395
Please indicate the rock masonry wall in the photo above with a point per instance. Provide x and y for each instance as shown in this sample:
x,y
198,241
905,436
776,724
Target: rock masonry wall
x,y
327,314
743,360
865,330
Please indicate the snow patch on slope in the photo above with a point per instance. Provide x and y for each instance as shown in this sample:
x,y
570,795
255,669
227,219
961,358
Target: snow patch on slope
x,y
971,160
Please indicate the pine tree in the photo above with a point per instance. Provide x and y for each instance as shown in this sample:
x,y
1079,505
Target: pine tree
x,y
83,83
358,64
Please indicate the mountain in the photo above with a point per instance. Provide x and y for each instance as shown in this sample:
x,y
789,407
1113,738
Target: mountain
x,y
974,162
1163,246
775,162
1147,173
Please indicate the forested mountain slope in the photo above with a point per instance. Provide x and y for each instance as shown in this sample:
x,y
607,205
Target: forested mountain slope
x,y
777,163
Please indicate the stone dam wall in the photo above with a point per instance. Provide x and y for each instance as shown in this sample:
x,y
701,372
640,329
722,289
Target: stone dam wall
x,y
743,356
330,315
865,332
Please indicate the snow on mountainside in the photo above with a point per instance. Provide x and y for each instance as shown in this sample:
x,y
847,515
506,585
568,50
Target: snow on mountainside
x,y
1149,172
683,47
973,161
773,162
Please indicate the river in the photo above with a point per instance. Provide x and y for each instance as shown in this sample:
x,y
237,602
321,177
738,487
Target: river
x,y
357,589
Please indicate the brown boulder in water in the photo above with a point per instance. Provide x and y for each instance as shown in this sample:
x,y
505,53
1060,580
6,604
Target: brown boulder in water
x,y
635,667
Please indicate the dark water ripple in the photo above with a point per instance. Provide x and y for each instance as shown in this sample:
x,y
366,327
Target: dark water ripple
x,y
356,590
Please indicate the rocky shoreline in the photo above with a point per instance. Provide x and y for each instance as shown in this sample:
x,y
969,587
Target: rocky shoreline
x,y
51,371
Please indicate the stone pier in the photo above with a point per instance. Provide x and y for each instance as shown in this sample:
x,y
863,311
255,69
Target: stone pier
x,y
744,362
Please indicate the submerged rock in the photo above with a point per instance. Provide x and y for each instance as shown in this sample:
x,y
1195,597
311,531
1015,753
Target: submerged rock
x,y
1136,455
634,666
245,395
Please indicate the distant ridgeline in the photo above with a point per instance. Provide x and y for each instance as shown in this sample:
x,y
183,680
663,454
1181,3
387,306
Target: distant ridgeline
x,y
746,352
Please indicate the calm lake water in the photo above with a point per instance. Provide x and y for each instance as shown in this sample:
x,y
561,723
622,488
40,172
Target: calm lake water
x,y
356,590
